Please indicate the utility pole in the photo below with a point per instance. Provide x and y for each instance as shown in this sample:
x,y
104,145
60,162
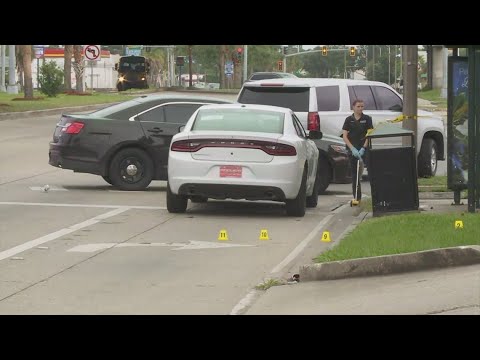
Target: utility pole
x,y
410,53
12,84
2,73
190,66
389,58
373,63
443,93
245,63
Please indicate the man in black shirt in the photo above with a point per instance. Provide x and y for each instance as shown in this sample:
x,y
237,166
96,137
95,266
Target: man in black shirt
x,y
355,130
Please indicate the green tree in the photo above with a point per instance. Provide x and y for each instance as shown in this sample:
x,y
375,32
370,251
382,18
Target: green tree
x,y
50,79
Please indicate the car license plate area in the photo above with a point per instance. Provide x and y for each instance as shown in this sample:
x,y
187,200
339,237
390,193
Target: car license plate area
x,y
230,171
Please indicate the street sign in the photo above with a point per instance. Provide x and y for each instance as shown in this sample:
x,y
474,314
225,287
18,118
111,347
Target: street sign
x,y
92,52
38,52
229,68
135,51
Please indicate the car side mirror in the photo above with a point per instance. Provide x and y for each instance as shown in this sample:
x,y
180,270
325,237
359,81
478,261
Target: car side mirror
x,y
181,128
116,66
315,135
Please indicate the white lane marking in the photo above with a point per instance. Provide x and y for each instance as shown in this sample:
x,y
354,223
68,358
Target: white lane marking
x,y
191,245
83,205
55,235
249,298
302,245
51,188
246,301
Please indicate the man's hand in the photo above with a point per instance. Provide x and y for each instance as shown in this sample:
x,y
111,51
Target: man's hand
x,y
355,152
362,151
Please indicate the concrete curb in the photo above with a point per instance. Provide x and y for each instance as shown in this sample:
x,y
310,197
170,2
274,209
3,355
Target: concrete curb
x,y
47,112
390,264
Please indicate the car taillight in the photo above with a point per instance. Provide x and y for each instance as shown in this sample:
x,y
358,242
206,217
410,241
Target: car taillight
x,y
73,128
313,121
271,148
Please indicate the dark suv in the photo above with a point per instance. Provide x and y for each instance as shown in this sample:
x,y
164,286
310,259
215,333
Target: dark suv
x,y
126,143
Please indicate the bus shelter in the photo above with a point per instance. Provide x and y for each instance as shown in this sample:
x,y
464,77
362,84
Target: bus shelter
x,y
463,123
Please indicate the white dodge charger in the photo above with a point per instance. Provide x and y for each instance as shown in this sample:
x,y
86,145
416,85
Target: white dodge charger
x,y
239,151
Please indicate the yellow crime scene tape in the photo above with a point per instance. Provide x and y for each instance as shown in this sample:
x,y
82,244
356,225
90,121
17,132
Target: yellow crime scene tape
x,y
397,119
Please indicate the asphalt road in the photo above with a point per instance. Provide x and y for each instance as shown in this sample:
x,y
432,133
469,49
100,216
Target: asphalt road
x,y
84,247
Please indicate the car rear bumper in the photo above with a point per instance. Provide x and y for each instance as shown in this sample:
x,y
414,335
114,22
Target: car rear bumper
x,y
59,156
227,191
279,179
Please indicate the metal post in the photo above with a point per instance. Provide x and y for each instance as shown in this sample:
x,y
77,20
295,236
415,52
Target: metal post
x,y
245,63
472,99
373,63
284,63
12,84
345,64
410,90
38,73
389,58
3,65
395,73
91,75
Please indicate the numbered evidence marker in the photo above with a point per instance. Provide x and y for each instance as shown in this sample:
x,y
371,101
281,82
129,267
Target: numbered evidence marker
x,y
458,224
264,234
326,236
222,235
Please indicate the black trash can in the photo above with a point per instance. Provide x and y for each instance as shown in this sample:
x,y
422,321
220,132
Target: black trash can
x,y
392,170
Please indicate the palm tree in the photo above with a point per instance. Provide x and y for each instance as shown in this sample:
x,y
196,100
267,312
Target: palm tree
x,y
78,66
25,60
67,67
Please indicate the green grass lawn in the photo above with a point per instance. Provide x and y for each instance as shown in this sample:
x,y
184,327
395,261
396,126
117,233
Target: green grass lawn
x,y
435,183
434,97
396,234
8,104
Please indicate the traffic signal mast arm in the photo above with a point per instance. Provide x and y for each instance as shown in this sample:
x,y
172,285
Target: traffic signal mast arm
x,y
314,51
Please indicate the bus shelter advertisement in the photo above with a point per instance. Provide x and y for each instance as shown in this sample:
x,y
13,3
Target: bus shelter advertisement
x,y
457,123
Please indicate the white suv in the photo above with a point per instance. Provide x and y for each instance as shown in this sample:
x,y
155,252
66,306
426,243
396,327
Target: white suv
x,y
331,100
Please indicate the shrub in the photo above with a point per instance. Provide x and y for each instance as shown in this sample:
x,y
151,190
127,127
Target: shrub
x,y
50,79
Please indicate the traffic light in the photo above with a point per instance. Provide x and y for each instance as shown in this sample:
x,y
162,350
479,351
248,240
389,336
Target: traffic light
x,y
239,54
284,50
324,51
353,51
280,65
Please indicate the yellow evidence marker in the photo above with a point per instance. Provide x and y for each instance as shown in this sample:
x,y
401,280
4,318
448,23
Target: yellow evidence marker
x,y
263,234
326,236
458,224
223,235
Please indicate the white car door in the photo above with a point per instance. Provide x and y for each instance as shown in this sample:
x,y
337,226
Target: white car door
x,y
310,150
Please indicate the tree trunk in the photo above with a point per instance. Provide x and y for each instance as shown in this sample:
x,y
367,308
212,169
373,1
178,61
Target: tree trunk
x,y
79,67
237,73
26,51
223,51
67,67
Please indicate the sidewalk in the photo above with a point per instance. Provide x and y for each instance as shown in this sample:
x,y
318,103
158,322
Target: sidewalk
x,y
446,288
